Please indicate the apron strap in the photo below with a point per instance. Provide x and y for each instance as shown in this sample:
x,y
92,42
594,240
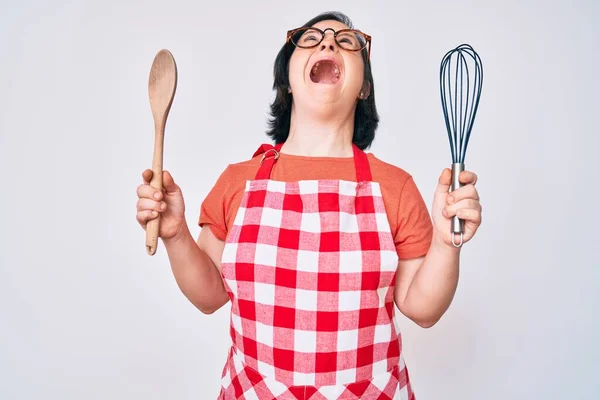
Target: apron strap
x,y
270,154
361,163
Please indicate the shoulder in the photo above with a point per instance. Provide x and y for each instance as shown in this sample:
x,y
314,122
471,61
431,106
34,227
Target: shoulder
x,y
391,176
398,187
240,171
220,205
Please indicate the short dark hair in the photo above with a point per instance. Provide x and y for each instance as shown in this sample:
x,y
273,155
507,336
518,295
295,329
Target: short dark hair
x,y
366,118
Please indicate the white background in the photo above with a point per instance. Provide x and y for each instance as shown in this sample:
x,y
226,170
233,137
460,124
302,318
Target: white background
x,y
85,313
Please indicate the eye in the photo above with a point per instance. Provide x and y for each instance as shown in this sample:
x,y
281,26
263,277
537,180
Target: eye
x,y
310,36
348,39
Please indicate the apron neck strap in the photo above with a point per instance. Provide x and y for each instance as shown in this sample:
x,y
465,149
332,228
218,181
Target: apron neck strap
x,y
270,154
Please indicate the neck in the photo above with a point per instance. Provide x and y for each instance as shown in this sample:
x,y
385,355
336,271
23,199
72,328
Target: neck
x,y
320,137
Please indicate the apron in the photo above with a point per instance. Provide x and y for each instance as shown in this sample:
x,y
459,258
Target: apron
x,y
310,267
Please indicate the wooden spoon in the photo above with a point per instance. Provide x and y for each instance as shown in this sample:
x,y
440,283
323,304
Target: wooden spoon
x,y
161,89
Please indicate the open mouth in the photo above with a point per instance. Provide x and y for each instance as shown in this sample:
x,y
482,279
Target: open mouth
x,y
325,71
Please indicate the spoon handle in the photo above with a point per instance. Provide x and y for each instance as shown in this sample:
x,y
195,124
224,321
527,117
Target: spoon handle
x,y
153,226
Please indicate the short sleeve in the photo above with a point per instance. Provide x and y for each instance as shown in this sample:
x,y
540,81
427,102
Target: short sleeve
x,y
213,209
415,228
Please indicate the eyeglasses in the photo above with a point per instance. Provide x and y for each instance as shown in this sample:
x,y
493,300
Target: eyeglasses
x,y
347,39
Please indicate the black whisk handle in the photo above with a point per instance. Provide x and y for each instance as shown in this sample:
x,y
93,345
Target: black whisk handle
x,y
457,223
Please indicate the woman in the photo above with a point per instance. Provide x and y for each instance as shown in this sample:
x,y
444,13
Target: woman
x,y
313,241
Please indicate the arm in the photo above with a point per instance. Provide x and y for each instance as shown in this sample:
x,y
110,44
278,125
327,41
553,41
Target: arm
x,y
425,286
196,267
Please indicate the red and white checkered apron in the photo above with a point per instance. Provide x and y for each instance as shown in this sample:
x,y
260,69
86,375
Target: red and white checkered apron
x,y
310,267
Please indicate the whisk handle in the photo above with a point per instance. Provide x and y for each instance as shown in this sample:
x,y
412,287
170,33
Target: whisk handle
x,y
457,223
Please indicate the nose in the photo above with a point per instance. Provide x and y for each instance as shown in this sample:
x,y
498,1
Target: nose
x,y
328,42
330,46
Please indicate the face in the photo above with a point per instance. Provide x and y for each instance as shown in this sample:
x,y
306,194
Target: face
x,y
326,76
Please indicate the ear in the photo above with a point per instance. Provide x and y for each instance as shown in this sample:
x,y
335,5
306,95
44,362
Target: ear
x,y
365,91
289,89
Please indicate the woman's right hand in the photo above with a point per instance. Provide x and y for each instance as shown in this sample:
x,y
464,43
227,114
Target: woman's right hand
x,y
169,203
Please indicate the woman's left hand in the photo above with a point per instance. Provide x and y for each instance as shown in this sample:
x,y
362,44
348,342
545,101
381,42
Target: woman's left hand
x,y
463,202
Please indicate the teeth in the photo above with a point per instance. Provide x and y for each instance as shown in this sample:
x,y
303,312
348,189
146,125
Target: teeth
x,y
315,68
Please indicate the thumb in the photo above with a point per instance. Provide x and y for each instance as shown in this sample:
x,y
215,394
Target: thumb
x,y
169,183
444,181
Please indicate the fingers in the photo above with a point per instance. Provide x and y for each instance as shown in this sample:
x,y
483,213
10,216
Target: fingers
x,y
467,178
144,204
148,209
143,217
444,181
169,183
465,192
148,192
470,215
150,200
147,176
466,204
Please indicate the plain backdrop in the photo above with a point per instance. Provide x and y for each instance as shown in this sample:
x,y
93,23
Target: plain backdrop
x,y
85,313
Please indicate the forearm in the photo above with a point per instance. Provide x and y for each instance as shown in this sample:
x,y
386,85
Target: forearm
x,y
196,274
434,285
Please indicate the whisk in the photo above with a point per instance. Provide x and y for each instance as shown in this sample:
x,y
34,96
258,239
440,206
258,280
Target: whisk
x,y
461,79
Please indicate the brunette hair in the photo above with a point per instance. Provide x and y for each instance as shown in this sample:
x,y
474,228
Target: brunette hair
x,y
366,118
